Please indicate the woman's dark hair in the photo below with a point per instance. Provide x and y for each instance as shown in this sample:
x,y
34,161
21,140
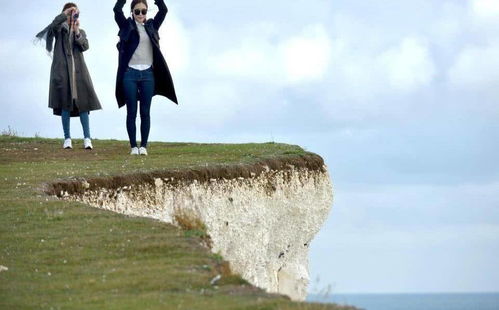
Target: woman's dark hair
x,y
69,5
135,2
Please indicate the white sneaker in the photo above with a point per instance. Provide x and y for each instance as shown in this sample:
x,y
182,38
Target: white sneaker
x,y
87,144
135,151
67,144
143,151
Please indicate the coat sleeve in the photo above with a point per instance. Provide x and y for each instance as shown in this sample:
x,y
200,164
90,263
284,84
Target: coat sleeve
x,y
48,33
119,17
58,20
82,41
160,16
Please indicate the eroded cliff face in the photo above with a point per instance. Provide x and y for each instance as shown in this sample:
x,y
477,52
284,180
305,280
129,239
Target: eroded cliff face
x,y
262,223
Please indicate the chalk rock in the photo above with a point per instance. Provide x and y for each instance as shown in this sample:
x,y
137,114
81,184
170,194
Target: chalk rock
x,y
262,225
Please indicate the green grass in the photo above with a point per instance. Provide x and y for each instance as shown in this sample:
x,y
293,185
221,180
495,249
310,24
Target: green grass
x,y
64,255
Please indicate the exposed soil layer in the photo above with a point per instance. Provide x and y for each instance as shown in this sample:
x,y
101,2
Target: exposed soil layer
x,y
309,161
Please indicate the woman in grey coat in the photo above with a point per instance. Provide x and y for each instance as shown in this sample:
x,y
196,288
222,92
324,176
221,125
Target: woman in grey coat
x,y
71,90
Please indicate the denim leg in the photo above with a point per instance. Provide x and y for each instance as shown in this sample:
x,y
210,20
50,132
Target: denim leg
x,y
130,87
85,124
65,117
146,92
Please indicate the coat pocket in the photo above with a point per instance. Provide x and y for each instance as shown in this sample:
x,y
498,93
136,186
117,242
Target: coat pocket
x,y
57,81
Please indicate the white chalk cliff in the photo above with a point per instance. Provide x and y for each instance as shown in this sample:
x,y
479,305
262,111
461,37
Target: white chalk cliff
x,y
262,224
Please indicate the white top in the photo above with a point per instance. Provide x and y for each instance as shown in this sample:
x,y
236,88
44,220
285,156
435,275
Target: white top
x,y
142,58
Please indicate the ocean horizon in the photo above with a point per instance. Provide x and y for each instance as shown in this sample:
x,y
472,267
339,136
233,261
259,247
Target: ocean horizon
x,y
413,301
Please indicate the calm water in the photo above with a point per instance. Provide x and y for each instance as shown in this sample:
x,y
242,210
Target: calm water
x,y
471,301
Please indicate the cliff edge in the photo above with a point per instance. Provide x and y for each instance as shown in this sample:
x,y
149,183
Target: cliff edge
x,y
260,217
248,213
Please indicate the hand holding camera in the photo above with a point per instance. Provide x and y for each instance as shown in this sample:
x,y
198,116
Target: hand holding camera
x,y
73,21
71,11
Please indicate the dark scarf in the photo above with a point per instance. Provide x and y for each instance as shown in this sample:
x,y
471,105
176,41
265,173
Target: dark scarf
x,y
48,34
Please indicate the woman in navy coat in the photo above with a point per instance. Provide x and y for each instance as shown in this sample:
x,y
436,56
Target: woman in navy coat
x,y
142,69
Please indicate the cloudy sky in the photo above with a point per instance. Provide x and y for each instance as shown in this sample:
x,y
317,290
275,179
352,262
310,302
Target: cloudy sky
x,y
399,97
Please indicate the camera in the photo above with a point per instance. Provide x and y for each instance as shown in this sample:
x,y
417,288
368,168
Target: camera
x,y
75,16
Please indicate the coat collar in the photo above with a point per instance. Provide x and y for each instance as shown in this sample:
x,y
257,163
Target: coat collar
x,y
133,23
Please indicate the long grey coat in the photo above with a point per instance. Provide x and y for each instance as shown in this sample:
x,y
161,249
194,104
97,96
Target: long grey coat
x,y
63,94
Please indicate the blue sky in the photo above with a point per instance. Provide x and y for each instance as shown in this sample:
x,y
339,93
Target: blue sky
x,y
399,97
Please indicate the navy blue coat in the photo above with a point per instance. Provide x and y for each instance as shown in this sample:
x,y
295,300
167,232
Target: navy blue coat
x,y
129,40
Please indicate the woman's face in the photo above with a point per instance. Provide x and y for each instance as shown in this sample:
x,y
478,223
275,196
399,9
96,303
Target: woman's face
x,y
140,8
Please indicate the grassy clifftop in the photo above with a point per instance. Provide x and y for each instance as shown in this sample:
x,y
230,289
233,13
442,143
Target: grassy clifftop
x,y
63,255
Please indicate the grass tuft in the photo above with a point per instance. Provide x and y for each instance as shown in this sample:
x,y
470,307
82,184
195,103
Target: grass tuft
x,y
192,226
9,132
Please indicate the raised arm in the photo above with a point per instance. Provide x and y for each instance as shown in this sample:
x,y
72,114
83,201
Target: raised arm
x,y
48,33
160,16
58,20
61,18
119,17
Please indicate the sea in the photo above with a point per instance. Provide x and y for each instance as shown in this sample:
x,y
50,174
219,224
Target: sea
x,y
434,301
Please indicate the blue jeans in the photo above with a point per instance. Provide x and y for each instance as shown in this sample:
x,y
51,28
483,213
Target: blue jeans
x,y
85,123
138,85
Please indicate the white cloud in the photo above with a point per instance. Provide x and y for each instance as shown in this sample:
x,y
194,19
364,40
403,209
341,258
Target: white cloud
x,y
307,56
408,66
175,44
449,27
214,102
476,69
364,76
313,56
473,66
483,18
300,58
253,59
485,8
